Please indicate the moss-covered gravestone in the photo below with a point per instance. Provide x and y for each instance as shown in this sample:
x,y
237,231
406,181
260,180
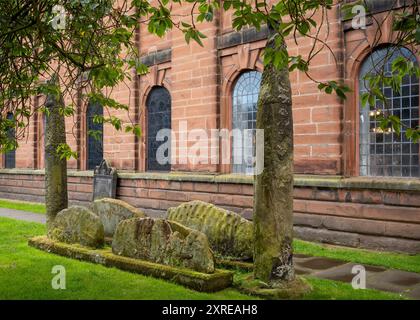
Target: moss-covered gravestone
x,y
113,211
164,242
78,225
229,234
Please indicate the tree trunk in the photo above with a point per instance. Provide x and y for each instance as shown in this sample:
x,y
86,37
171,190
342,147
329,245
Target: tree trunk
x,y
273,201
55,168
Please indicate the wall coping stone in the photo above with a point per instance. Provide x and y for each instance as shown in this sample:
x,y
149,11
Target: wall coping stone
x,y
300,180
157,57
246,35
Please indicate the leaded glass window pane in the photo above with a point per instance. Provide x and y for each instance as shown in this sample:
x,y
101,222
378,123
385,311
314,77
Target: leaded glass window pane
x,y
95,142
384,152
158,117
244,118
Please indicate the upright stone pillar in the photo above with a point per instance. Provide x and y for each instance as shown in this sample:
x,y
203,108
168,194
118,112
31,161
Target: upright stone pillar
x,y
56,198
273,201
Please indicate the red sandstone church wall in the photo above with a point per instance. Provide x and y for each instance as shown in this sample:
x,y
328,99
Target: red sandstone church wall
x,y
200,81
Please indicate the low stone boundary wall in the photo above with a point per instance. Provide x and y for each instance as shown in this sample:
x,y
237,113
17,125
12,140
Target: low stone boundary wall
x,y
359,212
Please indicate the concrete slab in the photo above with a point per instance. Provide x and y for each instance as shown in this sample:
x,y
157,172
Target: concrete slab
x,y
298,259
318,263
415,293
344,273
400,278
395,281
300,256
302,271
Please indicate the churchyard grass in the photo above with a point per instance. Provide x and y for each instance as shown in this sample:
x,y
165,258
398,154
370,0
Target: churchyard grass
x,y
25,273
326,290
22,205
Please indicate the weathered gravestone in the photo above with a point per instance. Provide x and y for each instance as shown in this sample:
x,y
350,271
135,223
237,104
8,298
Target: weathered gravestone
x,y
112,212
104,181
78,224
229,234
164,242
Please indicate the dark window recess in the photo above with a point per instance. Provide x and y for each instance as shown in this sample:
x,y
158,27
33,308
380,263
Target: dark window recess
x,y
10,156
158,117
95,143
384,152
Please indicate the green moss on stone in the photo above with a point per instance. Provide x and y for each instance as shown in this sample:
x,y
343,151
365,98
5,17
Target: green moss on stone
x,y
112,211
286,290
234,264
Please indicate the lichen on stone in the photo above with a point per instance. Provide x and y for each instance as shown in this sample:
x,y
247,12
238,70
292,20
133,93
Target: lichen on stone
x,y
164,242
112,211
78,224
229,234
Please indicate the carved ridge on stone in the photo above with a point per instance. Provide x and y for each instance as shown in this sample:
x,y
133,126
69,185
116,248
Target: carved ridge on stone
x,y
229,234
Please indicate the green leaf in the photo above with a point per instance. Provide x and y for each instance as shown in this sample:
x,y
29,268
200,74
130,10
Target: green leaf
x,y
364,99
227,5
64,151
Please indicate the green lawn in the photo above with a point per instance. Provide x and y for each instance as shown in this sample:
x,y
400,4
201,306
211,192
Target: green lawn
x,y
334,290
25,273
23,205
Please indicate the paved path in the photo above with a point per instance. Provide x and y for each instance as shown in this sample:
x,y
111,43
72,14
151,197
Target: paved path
x,y
22,215
380,278
397,281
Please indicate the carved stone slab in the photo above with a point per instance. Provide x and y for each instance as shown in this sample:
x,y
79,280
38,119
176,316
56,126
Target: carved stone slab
x,y
104,181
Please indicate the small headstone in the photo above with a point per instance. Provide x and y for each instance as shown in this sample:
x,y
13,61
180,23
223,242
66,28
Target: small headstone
x,y
113,211
104,181
78,224
164,242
